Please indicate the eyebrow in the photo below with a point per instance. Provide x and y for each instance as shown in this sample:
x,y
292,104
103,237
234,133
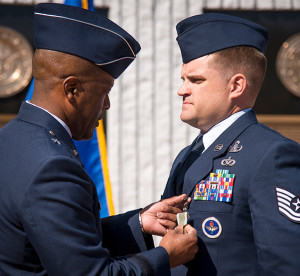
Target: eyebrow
x,y
193,76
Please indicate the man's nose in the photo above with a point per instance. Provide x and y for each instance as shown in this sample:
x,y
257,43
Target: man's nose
x,y
106,105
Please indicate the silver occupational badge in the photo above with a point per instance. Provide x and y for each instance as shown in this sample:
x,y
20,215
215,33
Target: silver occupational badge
x,y
236,147
228,162
218,147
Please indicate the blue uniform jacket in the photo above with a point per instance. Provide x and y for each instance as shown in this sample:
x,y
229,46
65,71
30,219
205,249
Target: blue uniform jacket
x,y
255,239
49,211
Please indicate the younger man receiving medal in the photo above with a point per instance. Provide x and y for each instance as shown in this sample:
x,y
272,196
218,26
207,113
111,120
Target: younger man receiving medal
x,y
242,176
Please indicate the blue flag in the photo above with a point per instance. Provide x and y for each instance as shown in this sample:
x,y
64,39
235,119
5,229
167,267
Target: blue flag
x,y
93,152
86,4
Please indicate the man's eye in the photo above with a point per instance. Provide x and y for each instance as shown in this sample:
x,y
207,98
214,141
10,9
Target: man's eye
x,y
197,80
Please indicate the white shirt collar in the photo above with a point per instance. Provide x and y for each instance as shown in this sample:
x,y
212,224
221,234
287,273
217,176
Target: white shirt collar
x,y
55,117
211,136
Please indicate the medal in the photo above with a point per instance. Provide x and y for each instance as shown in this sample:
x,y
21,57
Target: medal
x,y
182,218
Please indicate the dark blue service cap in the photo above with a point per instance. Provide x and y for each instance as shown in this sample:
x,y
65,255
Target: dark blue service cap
x,y
86,34
205,34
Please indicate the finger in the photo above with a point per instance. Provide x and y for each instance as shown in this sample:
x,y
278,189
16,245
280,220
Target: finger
x,y
169,209
190,230
167,216
173,201
186,201
178,229
167,224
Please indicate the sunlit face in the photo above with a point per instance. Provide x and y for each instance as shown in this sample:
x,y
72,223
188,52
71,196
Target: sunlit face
x,y
205,93
94,100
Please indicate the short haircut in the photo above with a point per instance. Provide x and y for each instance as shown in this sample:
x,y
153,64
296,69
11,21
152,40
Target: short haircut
x,y
243,59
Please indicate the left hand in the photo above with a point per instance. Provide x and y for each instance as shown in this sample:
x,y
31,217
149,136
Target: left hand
x,y
158,217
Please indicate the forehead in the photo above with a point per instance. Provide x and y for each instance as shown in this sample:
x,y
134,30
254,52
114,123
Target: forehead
x,y
101,77
198,66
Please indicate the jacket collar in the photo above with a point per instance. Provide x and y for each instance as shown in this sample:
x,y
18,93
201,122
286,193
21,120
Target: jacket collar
x,y
37,116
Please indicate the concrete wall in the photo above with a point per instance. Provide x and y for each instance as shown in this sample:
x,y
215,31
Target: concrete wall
x,y
144,131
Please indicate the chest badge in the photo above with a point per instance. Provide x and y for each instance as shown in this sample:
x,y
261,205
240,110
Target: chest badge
x,y
228,162
218,147
236,147
212,227
218,187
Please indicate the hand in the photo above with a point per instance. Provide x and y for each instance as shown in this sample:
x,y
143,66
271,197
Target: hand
x,y
158,217
180,247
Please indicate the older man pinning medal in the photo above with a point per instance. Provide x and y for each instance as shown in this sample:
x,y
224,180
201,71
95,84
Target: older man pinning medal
x,y
49,211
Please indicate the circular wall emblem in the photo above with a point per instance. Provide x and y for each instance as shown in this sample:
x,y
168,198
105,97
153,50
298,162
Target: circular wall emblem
x,y
15,62
212,227
288,64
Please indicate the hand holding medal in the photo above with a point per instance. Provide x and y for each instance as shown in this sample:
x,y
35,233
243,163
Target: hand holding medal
x,y
159,217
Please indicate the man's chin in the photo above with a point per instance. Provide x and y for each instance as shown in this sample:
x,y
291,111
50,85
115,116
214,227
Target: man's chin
x,y
87,136
185,119
190,121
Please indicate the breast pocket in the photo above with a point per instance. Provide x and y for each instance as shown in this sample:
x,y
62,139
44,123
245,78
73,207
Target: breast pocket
x,y
211,206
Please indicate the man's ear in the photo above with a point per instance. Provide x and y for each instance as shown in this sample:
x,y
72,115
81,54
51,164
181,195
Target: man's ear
x,y
72,88
238,84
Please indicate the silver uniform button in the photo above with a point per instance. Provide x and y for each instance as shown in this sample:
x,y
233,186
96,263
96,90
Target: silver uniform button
x,y
75,152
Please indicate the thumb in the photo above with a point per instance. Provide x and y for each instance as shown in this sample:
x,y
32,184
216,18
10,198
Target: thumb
x,y
190,230
178,229
175,200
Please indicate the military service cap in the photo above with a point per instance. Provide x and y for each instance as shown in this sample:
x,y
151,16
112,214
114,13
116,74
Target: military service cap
x,y
205,34
86,34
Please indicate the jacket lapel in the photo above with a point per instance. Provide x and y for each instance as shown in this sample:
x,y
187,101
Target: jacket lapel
x,y
204,164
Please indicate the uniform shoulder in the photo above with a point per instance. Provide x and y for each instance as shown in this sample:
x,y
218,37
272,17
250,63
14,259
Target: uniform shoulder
x,y
267,133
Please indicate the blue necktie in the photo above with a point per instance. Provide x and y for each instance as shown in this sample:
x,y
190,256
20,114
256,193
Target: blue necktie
x,y
195,152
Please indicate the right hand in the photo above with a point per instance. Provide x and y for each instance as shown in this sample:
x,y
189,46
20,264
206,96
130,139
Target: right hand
x,y
180,247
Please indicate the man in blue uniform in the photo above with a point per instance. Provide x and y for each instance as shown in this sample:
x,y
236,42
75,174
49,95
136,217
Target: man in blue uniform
x,y
242,176
49,210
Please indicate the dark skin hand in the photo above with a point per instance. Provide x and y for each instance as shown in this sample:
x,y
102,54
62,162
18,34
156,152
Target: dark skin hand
x,y
158,217
181,247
